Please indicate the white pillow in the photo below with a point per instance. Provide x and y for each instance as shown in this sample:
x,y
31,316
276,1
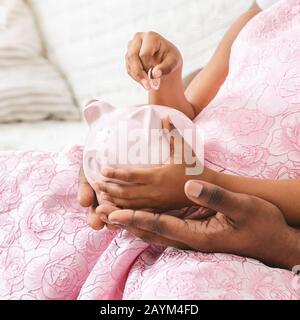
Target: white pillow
x,y
31,88
88,38
265,4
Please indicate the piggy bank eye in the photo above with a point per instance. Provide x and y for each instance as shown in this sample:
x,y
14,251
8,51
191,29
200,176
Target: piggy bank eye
x,y
103,134
91,165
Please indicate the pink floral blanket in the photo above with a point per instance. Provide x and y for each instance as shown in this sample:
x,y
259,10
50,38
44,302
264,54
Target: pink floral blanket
x,y
47,251
252,128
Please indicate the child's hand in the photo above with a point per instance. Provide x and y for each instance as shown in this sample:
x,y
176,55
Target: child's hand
x,y
161,187
147,50
156,188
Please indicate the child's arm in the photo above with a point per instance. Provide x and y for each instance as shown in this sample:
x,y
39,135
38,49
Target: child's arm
x,y
285,194
207,83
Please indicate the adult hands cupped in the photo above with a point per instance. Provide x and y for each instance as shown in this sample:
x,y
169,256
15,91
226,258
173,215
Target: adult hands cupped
x,y
244,225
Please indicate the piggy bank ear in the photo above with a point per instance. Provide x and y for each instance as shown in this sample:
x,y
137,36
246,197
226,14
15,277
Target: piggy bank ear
x,y
95,110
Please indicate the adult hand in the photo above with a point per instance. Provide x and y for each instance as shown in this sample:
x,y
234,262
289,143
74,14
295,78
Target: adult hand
x,y
244,225
87,199
147,50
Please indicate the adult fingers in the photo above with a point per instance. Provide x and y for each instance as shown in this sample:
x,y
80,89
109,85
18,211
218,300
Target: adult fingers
x,y
103,211
97,221
186,232
146,236
94,220
233,205
152,238
86,194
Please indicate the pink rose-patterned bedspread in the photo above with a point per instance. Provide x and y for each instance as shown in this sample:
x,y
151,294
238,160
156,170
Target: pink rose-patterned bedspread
x,y
47,251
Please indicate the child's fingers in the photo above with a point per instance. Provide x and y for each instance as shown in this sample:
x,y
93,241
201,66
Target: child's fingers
x,y
106,199
128,192
150,46
156,73
135,204
142,176
134,64
169,64
166,124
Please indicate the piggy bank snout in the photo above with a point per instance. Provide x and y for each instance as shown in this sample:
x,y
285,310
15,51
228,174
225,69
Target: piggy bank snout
x,y
103,135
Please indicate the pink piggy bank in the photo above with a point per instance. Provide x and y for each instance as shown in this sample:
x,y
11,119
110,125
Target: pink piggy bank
x,y
133,137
